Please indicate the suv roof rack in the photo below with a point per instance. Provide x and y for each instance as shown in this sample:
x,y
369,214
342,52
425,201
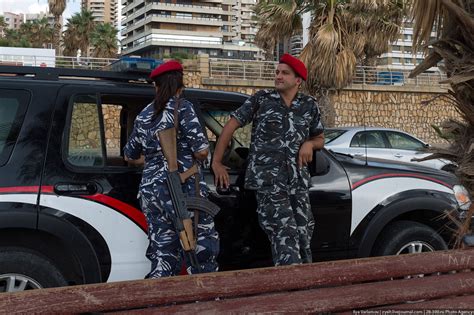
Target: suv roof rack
x,y
46,73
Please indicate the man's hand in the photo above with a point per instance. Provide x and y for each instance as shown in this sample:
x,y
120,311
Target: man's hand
x,y
305,155
221,176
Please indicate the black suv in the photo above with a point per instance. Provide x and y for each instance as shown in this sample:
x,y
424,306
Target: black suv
x,y
68,201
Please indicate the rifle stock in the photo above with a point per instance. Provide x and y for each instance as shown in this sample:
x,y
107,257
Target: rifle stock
x,y
168,145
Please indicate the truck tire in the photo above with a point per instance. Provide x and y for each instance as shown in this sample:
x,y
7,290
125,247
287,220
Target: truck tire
x,y
22,269
407,237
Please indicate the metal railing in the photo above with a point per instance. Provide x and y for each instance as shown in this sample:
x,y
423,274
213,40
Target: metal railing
x,y
265,70
73,62
241,69
57,61
235,69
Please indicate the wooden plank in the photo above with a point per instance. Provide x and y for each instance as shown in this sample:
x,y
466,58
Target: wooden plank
x,y
465,302
141,293
334,299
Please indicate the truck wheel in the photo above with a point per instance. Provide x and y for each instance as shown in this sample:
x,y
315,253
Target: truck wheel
x,y
408,237
22,270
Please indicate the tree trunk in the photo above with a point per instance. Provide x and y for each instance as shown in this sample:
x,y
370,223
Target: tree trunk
x,y
57,35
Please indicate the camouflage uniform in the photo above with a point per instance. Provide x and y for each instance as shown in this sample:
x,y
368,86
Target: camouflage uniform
x,y
284,209
164,250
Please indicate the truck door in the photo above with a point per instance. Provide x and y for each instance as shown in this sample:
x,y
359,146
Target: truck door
x,y
86,180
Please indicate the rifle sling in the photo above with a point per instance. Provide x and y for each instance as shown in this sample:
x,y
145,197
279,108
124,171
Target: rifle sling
x,y
186,174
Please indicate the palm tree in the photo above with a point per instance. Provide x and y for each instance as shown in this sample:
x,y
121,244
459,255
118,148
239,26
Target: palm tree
x,y
3,26
104,40
454,46
41,33
342,34
77,34
57,7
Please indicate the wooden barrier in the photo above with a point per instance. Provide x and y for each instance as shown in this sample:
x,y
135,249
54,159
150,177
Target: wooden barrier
x,y
438,280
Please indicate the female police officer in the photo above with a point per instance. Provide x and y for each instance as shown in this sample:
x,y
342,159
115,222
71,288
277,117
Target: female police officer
x,y
164,250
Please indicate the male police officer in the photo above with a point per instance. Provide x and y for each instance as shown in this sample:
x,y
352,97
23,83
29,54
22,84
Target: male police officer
x,y
286,129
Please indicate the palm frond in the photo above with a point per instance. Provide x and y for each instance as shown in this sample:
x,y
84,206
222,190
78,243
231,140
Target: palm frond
x,y
425,13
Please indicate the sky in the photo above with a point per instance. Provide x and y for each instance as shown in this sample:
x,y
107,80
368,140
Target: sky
x,y
36,6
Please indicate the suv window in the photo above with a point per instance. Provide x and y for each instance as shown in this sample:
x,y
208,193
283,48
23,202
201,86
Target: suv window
x,y
214,122
99,129
13,104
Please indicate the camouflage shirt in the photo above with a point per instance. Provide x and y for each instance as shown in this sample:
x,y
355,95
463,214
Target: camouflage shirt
x,y
144,140
277,134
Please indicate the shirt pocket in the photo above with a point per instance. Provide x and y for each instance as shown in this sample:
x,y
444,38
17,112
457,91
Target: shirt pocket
x,y
270,128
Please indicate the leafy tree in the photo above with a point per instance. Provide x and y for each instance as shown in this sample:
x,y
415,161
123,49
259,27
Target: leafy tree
x,y
3,25
40,33
104,41
77,34
454,46
342,34
36,34
17,38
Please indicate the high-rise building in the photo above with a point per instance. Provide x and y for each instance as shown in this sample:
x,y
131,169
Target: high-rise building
x,y
401,55
159,28
105,11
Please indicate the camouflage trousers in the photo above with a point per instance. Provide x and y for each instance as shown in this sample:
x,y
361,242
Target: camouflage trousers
x,y
164,250
288,222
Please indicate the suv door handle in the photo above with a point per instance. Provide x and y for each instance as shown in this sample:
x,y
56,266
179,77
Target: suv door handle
x,y
398,155
75,189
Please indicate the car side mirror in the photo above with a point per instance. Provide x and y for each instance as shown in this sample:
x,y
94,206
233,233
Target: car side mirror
x,y
320,164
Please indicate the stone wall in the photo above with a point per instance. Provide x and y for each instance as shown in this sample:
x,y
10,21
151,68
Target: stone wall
x,y
413,112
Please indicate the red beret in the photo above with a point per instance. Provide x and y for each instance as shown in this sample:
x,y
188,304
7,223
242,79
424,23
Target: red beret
x,y
168,66
295,64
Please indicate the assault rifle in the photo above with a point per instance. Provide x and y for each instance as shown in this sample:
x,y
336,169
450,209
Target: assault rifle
x,y
183,204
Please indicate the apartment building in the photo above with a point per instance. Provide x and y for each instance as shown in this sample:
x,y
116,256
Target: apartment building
x,y
31,17
13,20
159,28
104,11
401,55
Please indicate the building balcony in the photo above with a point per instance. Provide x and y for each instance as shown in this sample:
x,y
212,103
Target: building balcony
x,y
171,18
174,7
169,35
157,40
185,20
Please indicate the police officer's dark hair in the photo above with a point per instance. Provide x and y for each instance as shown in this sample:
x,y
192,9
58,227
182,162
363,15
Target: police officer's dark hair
x,y
168,84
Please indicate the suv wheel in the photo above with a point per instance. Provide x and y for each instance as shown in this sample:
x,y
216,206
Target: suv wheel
x,y
407,237
24,270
